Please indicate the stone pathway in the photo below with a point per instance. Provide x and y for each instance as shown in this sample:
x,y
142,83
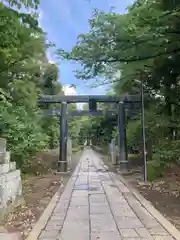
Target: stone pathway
x,y
97,206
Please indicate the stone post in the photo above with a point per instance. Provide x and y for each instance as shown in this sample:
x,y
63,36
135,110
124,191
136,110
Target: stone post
x,y
113,152
69,152
117,154
109,152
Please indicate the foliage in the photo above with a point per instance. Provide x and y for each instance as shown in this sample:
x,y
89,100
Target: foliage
x,y
127,51
23,133
155,169
167,152
133,132
25,73
25,3
97,129
139,47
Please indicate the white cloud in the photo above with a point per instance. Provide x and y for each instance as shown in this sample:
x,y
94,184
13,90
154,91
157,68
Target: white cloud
x,y
50,57
68,90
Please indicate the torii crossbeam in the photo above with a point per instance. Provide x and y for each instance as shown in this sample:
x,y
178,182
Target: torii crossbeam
x,y
122,102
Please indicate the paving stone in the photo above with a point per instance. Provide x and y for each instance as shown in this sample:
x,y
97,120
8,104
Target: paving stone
x,y
74,234
138,238
123,212
125,233
111,192
57,218
148,223
93,201
105,236
98,198
46,238
79,202
96,191
163,238
76,213
143,232
130,223
122,188
102,222
80,224
158,231
79,193
100,209
63,206
53,227
99,204
48,234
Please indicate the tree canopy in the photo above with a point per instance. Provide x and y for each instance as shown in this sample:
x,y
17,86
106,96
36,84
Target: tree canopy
x,y
140,46
126,50
25,74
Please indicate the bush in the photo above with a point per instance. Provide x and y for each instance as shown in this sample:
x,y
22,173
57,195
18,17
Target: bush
x,y
23,131
167,151
154,170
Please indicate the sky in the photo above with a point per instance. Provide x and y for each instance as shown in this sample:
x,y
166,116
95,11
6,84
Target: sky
x,y
63,21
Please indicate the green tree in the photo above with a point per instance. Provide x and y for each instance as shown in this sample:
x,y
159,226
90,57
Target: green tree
x,y
23,48
140,46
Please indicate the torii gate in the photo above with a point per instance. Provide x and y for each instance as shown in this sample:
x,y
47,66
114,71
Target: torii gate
x,y
123,103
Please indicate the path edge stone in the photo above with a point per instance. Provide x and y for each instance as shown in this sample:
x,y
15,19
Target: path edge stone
x,y
41,223
170,228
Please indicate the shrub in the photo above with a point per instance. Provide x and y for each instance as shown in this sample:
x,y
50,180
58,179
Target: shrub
x,y
22,130
154,170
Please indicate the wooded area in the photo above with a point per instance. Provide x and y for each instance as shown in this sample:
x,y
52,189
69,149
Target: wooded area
x,y
141,46
122,50
25,73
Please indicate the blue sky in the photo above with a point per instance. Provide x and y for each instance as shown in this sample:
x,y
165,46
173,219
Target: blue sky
x,y
63,20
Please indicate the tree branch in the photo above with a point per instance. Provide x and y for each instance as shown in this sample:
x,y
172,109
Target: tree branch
x,y
128,60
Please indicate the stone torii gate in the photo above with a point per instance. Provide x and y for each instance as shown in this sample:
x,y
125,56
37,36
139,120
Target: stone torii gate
x,y
123,103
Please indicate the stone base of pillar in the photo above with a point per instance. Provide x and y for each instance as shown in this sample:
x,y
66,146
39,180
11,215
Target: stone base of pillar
x,y
62,166
123,167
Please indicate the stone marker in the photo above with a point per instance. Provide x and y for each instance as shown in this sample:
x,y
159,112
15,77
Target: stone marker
x,y
117,154
69,152
109,152
113,152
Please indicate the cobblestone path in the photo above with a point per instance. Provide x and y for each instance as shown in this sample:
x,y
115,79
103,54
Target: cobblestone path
x,y
97,206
